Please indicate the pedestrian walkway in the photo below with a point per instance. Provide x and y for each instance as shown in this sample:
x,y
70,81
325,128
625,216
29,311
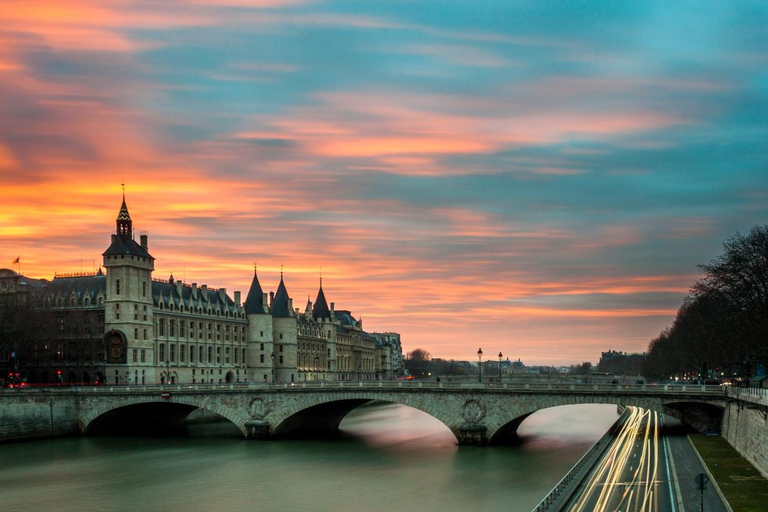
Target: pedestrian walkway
x,y
687,466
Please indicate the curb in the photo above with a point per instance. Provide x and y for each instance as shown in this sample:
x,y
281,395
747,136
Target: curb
x,y
711,478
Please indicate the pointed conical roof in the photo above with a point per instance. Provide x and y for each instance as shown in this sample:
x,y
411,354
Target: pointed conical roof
x,y
280,302
124,223
123,213
123,242
254,303
321,306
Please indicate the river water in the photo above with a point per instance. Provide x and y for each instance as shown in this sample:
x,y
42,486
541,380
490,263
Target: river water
x,y
392,458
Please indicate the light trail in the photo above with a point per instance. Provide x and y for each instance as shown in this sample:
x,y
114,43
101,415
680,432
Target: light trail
x,y
626,478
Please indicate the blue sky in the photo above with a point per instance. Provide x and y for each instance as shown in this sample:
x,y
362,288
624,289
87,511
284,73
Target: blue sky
x,y
540,178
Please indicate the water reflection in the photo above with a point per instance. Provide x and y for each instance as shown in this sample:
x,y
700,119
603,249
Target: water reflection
x,y
391,458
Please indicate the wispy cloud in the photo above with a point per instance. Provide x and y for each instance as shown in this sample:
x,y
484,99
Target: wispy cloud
x,y
531,180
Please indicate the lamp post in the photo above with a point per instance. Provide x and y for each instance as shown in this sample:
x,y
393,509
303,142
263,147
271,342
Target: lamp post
x,y
317,368
273,366
480,365
500,356
168,371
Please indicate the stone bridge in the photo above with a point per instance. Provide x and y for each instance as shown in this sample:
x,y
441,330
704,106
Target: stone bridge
x,y
477,414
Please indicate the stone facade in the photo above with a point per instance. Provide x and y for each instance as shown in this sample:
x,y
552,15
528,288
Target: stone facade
x,y
123,326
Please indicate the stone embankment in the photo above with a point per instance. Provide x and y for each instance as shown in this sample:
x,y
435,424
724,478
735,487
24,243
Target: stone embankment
x,y
28,415
745,425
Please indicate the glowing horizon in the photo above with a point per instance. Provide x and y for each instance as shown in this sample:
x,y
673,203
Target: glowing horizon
x,y
541,182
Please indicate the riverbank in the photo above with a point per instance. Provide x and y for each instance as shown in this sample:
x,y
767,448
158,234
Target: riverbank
x,y
743,486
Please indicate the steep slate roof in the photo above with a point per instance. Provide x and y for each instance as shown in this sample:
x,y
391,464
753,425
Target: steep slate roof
x,y
170,293
126,245
254,303
320,309
280,302
89,286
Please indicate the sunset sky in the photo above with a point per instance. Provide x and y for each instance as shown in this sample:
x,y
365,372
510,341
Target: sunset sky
x,y
536,178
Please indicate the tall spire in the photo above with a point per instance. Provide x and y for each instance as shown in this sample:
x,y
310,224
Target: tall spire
x,y
254,303
320,310
124,223
280,304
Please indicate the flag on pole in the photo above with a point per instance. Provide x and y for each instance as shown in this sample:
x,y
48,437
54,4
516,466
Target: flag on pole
x,y
17,259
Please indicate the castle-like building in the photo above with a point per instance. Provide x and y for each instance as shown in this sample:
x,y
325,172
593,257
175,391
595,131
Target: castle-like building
x,y
123,326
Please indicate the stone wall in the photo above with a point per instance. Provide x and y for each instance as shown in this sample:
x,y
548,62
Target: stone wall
x,y
26,416
745,427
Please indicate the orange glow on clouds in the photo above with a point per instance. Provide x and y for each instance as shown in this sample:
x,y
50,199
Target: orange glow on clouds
x,y
448,186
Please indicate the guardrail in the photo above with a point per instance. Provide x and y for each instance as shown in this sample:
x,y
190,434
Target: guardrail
x,y
494,386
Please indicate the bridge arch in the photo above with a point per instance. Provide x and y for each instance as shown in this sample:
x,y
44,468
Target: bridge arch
x,y
317,415
148,411
699,414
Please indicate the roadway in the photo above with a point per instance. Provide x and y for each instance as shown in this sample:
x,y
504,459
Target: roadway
x,y
633,475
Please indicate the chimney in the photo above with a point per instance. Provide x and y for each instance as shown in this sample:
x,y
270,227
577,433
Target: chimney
x,y
204,289
144,242
114,237
333,315
194,290
178,289
271,297
223,295
290,304
237,298
264,302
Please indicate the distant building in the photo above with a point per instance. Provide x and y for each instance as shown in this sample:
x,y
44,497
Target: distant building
x,y
124,326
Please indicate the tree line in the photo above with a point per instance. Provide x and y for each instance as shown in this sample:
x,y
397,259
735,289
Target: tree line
x,y
722,325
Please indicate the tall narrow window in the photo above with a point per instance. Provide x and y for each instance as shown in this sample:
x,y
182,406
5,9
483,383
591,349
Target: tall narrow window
x,y
117,287
144,288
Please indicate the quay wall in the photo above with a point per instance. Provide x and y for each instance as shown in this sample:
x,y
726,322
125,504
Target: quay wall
x,y
35,415
745,426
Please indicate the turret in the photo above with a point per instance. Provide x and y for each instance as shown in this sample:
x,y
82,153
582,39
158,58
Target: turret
x,y
260,347
285,329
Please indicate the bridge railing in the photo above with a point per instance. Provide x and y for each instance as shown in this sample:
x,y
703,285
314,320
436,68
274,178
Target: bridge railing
x,y
756,395
760,394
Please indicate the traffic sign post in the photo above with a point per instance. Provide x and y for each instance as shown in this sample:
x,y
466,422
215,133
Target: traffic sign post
x,y
701,481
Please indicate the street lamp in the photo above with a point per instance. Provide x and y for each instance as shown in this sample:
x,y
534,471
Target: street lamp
x,y
273,366
500,356
168,371
480,365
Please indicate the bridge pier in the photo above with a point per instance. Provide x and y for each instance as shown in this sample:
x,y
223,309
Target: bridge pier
x,y
472,435
257,429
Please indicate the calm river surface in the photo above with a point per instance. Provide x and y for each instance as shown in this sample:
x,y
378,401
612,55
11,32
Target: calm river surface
x,y
393,459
